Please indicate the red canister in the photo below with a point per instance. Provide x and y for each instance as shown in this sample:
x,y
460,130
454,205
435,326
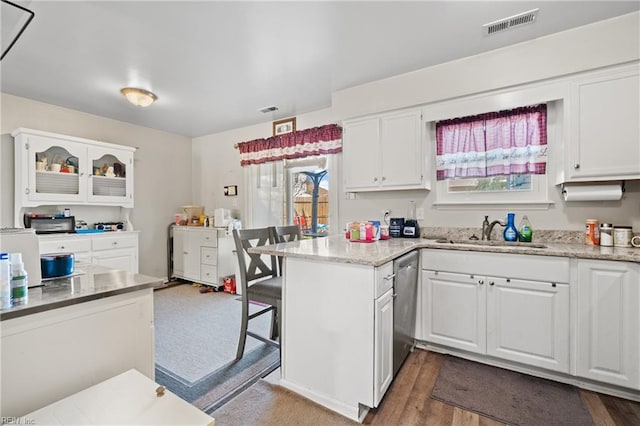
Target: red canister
x,y
592,232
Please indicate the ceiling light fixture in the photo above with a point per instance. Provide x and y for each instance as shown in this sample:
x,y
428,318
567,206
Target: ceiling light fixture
x,y
138,97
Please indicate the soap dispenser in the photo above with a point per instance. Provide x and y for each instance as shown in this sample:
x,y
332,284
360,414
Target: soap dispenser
x,y
510,231
525,231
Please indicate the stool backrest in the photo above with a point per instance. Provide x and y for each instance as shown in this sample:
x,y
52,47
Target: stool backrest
x,y
256,268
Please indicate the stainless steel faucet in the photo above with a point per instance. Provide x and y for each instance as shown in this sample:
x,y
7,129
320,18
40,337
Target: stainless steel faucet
x,y
489,228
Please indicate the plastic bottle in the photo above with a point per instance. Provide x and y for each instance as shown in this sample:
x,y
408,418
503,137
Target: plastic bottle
x,y
5,282
19,292
525,231
510,231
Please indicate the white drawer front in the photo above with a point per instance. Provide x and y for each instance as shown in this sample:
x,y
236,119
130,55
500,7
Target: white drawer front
x,y
208,256
384,278
65,245
208,238
209,274
115,242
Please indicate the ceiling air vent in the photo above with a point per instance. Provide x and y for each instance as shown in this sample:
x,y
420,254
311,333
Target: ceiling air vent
x,y
523,18
268,109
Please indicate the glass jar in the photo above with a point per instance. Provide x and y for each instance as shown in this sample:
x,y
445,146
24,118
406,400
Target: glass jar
x,y
606,235
622,236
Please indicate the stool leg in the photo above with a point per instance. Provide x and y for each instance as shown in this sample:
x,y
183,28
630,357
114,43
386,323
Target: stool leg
x,y
273,333
243,329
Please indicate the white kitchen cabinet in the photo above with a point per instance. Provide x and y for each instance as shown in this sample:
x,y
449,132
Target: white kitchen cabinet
x,y
203,255
383,325
608,322
342,349
604,126
454,311
384,152
477,310
38,181
528,322
118,250
71,348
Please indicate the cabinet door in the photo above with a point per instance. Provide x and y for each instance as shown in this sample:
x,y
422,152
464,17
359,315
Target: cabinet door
x,y
608,322
125,259
528,322
454,310
361,154
192,255
110,176
383,324
55,170
606,127
179,249
401,150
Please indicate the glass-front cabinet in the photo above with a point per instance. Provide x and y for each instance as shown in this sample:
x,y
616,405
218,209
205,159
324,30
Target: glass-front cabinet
x,y
110,178
58,169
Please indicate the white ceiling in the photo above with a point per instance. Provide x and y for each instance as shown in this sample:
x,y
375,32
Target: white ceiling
x,y
213,64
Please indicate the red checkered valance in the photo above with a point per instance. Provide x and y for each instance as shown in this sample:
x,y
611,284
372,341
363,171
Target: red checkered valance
x,y
325,139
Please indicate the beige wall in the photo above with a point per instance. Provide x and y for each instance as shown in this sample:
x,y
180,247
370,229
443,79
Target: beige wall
x,y
162,180
601,44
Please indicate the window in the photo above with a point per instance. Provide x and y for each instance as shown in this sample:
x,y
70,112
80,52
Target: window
x,y
493,158
307,201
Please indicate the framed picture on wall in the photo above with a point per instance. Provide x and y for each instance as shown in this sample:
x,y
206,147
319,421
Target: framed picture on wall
x,y
281,127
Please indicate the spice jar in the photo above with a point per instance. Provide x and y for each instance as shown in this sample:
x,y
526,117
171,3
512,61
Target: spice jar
x,y
606,235
622,236
592,232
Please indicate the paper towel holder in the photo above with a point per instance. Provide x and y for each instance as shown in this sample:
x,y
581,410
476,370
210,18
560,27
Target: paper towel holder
x,y
622,186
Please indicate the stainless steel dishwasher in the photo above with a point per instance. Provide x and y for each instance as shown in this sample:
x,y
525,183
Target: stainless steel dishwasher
x,y
405,292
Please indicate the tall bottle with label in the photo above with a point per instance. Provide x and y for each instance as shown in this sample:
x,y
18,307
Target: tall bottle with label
x,y
510,232
19,290
5,282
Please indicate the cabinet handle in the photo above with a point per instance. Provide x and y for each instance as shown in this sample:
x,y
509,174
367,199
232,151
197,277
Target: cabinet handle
x,y
389,277
491,283
576,166
480,282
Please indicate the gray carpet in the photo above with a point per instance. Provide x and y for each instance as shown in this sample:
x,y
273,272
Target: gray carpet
x,y
197,333
508,396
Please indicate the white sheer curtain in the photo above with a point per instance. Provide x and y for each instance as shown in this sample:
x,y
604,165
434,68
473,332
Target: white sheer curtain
x,y
264,197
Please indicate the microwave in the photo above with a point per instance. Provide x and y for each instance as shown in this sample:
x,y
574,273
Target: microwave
x,y
50,224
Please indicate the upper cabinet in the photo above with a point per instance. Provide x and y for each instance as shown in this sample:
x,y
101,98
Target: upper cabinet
x,y
604,126
384,152
59,169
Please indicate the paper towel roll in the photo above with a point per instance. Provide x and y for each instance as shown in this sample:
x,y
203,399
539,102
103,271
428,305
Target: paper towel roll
x,y
592,192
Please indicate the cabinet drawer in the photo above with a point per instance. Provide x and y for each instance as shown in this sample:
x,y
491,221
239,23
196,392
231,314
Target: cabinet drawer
x,y
67,245
109,243
208,256
208,274
384,278
208,238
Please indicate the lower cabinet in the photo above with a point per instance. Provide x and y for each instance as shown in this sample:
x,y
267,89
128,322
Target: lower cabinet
x,y
519,320
118,250
203,255
608,322
383,324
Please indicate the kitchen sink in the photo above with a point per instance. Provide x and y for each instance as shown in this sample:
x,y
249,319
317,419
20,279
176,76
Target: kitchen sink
x,y
489,243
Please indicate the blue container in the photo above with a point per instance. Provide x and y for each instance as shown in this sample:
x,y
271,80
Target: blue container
x,y
56,265
510,231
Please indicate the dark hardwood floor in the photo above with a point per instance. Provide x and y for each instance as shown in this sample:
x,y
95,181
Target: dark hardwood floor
x,y
405,403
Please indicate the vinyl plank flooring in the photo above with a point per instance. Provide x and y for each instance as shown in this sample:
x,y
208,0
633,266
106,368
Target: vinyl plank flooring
x,y
408,401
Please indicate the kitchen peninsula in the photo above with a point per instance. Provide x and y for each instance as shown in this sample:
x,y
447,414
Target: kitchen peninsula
x,y
337,331
73,333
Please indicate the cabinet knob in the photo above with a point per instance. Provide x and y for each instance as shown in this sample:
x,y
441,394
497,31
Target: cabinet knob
x,y
115,243
480,282
375,179
26,191
576,166
62,247
384,178
491,283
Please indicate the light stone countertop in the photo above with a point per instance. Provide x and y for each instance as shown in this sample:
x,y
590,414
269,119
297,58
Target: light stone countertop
x,y
338,249
91,282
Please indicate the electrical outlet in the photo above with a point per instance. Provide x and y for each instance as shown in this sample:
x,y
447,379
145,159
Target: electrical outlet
x,y
420,213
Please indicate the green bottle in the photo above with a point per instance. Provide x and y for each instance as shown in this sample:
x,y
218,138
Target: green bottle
x,y
525,232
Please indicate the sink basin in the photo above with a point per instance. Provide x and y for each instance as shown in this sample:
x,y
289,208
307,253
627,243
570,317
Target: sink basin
x,y
490,243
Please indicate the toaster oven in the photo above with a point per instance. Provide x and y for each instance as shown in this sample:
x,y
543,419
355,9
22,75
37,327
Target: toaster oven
x,y
50,224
